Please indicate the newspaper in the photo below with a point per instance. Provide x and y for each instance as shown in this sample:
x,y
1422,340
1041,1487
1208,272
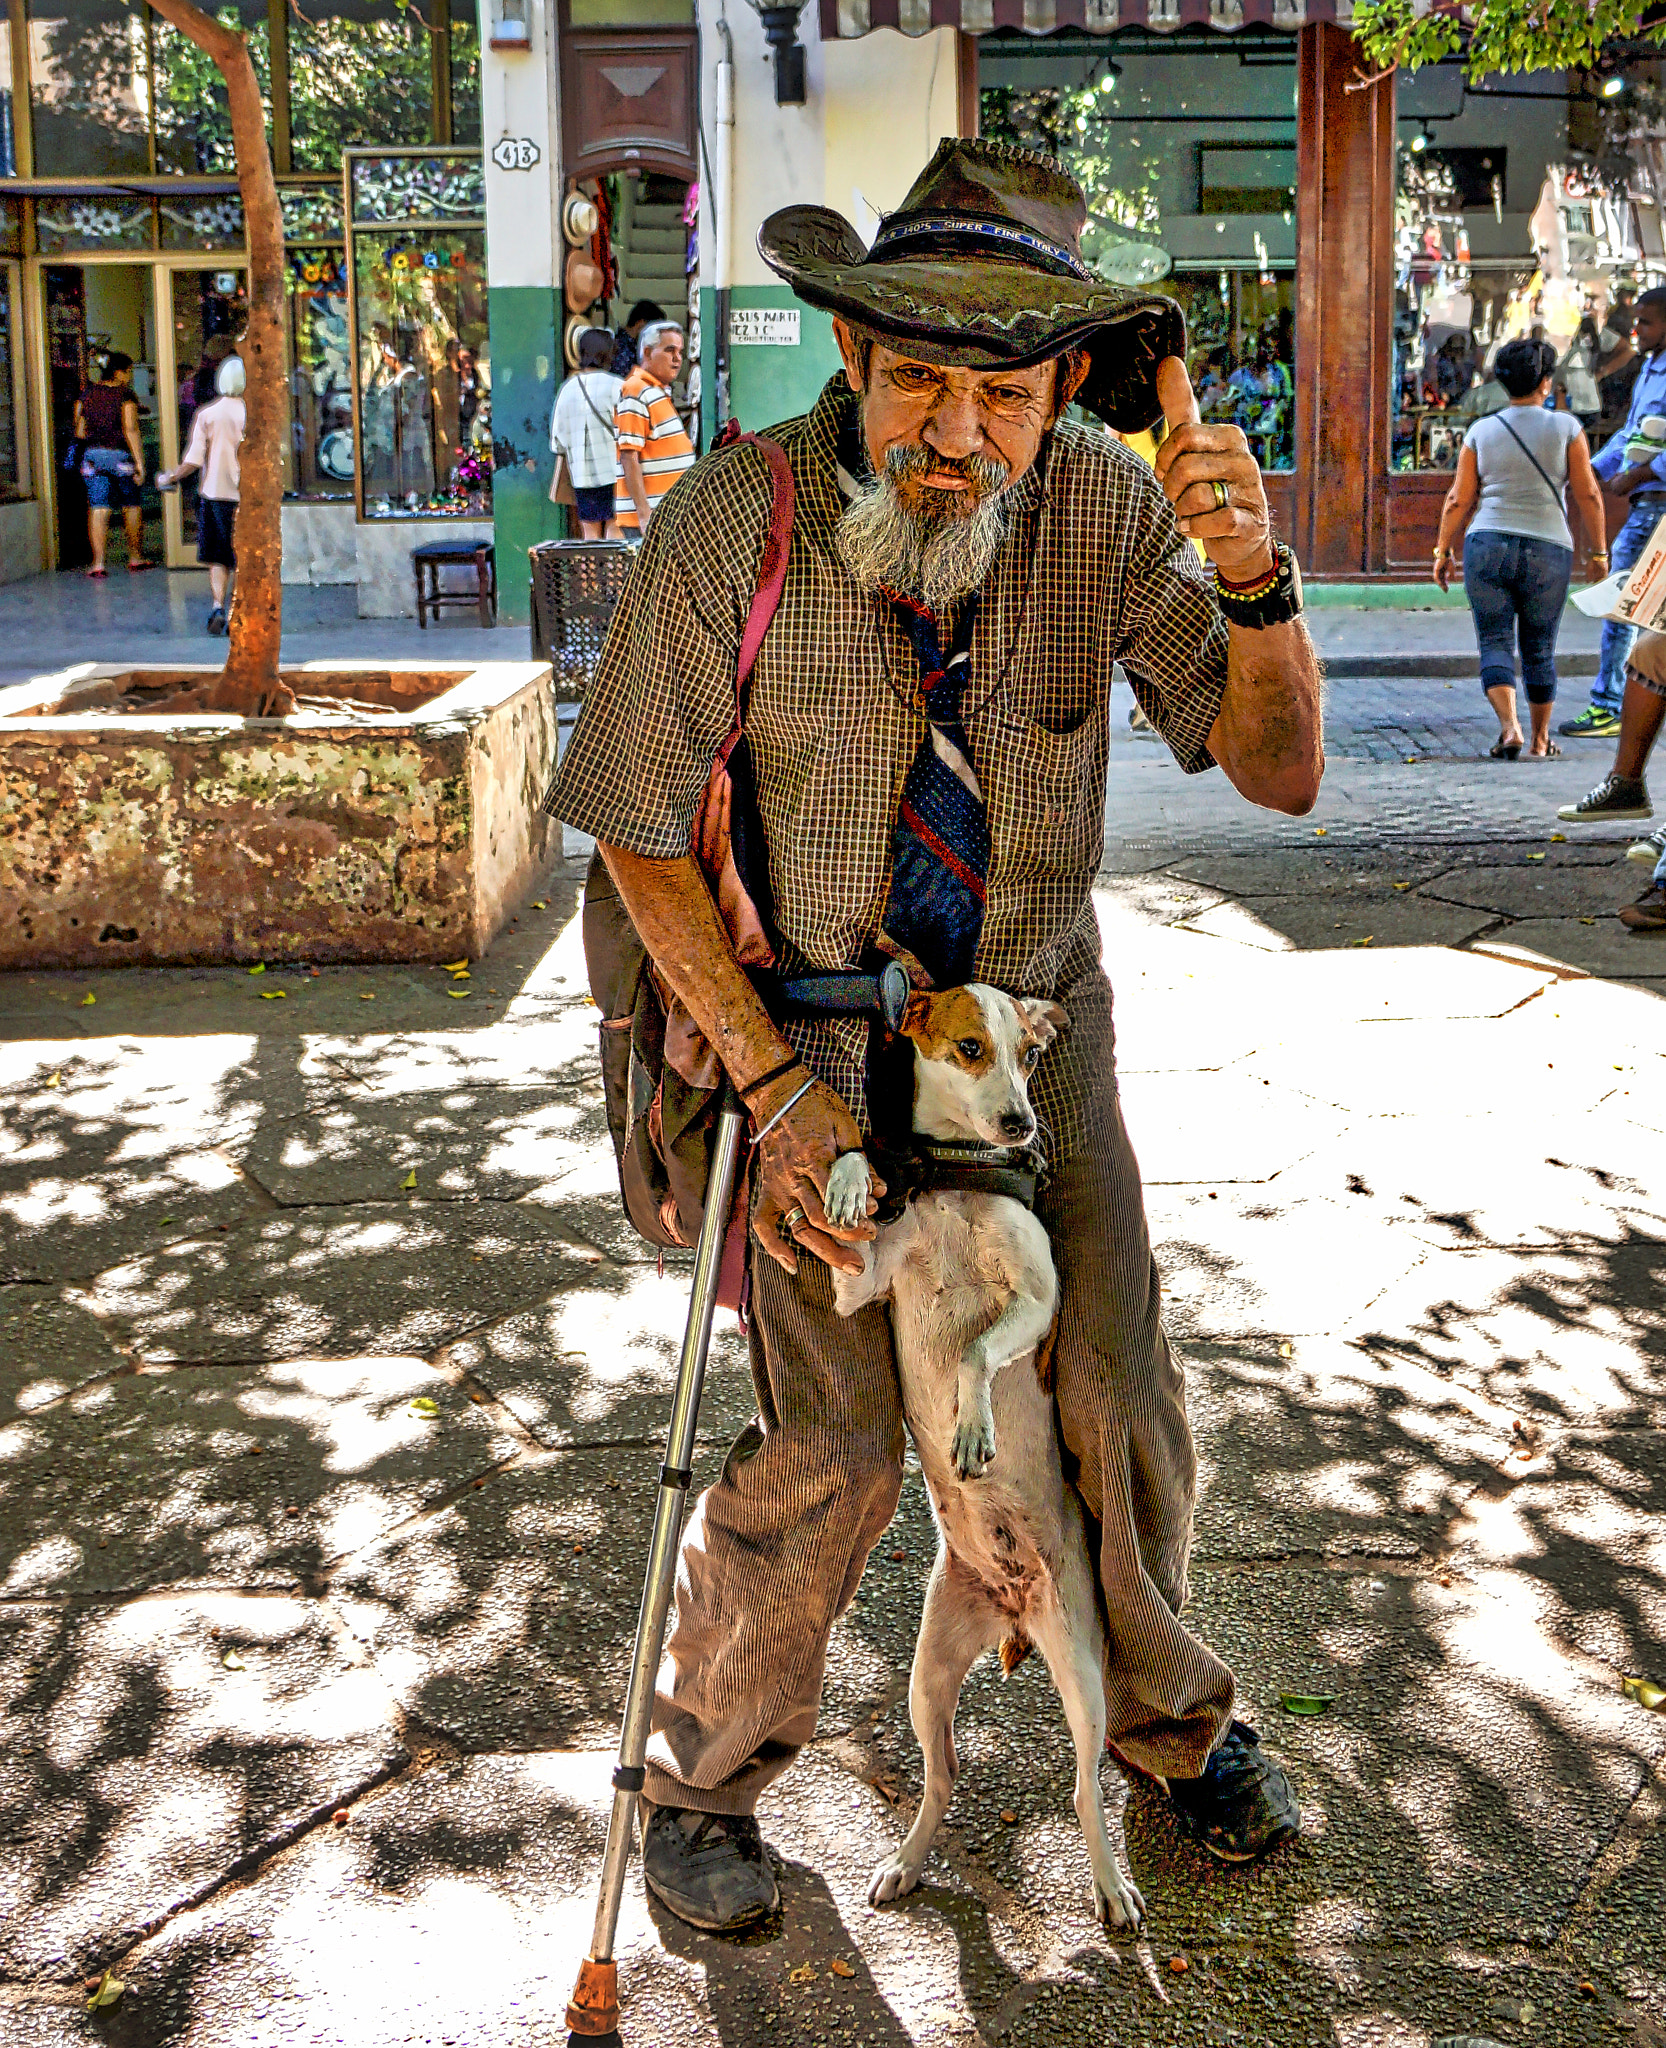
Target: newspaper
x,y
1636,597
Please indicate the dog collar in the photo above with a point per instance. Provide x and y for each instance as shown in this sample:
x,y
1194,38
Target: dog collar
x,y
959,1166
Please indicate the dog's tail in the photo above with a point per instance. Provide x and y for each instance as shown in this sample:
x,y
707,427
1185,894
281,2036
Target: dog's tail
x,y
1014,1649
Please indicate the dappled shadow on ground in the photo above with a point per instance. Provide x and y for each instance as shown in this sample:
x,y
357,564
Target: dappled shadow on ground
x,y
321,1491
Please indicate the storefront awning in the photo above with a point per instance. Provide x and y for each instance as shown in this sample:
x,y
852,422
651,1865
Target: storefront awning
x,y
846,18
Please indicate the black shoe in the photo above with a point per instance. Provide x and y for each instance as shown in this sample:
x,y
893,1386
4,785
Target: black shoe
x,y
1242,1806
710,1869
216,621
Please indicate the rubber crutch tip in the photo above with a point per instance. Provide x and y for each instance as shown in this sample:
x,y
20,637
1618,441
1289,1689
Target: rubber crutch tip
x,y
593,2013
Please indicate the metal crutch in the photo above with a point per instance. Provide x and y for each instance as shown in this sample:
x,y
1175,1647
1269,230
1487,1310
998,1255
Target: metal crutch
x,y
593,2014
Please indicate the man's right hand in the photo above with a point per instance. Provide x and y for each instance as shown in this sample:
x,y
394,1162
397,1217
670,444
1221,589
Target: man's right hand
x,y
796,1158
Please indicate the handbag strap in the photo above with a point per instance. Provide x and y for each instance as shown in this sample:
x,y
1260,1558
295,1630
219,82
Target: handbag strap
x,y
595,411
1554,490
772,575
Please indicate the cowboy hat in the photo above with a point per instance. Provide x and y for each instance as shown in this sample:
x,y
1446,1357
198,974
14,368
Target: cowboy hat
x,y
982,267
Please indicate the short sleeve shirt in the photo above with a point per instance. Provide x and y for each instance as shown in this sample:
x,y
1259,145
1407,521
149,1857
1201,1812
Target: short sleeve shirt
x,y
1094,571
648,425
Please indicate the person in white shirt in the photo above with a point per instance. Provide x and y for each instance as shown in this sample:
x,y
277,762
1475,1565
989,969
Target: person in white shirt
x,y
216,436
581,429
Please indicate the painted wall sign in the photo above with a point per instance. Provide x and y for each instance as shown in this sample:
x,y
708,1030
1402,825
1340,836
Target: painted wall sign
x,y
515,153
763,327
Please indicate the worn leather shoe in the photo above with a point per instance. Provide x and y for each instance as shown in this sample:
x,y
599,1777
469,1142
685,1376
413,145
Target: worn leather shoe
x,y
710,1869
1242,1805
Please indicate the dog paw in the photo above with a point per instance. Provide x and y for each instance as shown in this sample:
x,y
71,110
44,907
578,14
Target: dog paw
x,y
848,1186
973,1448
891,1880
1118,1910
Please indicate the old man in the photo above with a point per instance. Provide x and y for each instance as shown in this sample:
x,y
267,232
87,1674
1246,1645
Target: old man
x,y
928,730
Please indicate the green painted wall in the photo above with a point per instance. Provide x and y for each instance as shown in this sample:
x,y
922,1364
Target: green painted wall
x,y
769,384
526,372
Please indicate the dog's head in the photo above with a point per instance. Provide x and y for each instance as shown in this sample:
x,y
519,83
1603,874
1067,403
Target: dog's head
x,y
975,1049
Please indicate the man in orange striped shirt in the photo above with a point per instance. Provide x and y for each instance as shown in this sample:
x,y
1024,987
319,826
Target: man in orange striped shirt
x,y
653,448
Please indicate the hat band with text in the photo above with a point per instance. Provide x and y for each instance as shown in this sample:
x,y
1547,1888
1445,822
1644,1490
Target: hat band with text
x,y
1054,254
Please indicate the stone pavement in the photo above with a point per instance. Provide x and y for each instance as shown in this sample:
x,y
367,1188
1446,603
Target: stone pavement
x,y
330,1397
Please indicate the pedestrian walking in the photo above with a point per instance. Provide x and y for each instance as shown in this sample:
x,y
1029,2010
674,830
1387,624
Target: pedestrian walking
x,y
1642,481
654,448
1623,793
583,434
927,739
112,460
216,437
1515,469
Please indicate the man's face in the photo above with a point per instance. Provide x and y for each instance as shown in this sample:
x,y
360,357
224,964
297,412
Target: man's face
x,y
664,359
999,416
1651,328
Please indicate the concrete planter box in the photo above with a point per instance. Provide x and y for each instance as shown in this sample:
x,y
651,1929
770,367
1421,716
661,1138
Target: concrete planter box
x,y
394,817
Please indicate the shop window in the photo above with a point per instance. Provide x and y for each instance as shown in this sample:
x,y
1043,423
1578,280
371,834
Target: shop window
x,y
11,466
465,74
319,460
1186,151
1501,229
193,122
8,113
416,260
358,69
89,87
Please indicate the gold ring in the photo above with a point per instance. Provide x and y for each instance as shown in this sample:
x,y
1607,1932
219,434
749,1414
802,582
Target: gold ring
x,y
1223,496
792,1219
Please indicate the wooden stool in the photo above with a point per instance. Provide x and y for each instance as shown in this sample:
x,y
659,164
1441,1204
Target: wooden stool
x,y
427,562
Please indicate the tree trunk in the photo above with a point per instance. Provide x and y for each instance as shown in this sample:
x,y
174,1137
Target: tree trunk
x,y
251,684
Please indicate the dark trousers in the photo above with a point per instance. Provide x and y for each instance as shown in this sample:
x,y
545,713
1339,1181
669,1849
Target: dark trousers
x,y
775,1550
1517,585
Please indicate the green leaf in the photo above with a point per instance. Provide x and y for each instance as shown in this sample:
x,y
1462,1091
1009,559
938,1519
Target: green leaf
x,y
1645,1692
109,1990
261,969
425,1408
1306,1702
410,1179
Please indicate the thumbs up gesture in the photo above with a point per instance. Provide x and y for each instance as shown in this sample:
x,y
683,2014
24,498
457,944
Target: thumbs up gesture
x,y
1212,481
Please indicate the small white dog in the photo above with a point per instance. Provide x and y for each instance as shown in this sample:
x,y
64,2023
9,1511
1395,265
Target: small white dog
x,y
973,1294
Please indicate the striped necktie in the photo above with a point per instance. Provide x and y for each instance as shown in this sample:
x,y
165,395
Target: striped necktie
x,y
940,847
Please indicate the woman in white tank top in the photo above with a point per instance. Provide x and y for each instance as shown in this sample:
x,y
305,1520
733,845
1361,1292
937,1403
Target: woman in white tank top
x,y
1514,474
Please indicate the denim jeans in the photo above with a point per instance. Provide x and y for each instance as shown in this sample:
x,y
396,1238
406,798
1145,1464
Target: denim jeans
x,y
1515,583
1629,543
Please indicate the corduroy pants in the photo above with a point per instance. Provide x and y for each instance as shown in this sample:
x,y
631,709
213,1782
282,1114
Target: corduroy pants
x,y
774,1551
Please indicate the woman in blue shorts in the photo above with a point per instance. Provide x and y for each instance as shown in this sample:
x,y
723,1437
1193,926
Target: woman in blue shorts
x,y
112,459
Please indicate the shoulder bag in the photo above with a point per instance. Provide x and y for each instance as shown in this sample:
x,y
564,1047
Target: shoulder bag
x,y
662,1082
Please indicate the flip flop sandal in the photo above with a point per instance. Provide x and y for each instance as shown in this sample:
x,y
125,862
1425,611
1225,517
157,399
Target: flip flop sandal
x,y
98,572
1551,753
137,568
1506,750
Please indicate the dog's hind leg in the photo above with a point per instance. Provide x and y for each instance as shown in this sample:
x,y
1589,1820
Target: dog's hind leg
x,y
958,1625
1066,1630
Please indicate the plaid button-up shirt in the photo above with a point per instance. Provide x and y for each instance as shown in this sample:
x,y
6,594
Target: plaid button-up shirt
x,y
1093,571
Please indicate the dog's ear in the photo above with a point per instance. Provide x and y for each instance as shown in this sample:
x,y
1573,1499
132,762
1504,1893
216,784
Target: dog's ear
x,y
1044,1019
915,1012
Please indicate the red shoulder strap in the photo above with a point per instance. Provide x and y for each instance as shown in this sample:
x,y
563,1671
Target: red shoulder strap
x,y
772,572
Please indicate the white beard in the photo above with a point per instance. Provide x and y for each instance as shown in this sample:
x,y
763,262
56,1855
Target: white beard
x,y
937,559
